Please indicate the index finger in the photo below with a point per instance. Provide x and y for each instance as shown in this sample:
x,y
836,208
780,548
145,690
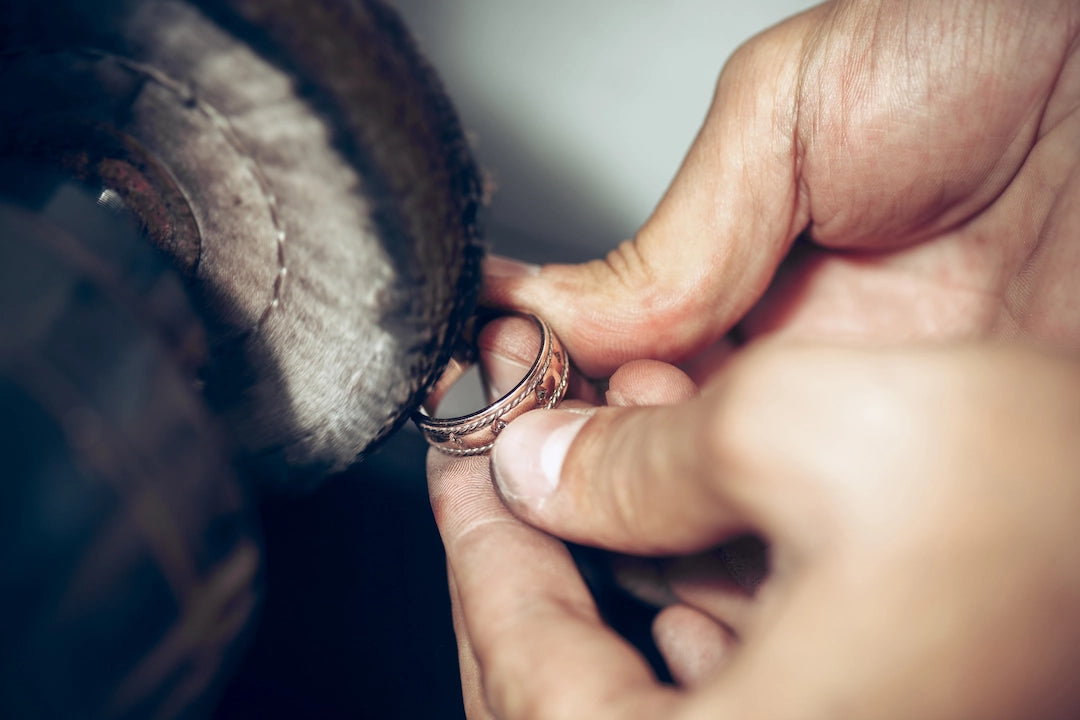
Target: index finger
x,y
542,649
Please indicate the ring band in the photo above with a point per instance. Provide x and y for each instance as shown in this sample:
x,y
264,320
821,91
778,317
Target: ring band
x,y
542,387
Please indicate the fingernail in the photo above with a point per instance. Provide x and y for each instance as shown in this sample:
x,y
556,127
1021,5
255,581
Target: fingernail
x,y
508,347
498,266
527,460
501,374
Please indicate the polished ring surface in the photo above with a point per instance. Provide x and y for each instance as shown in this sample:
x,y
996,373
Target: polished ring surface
x,y
542,387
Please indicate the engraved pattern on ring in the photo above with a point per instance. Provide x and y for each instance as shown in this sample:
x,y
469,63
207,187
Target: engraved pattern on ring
x,y
456,436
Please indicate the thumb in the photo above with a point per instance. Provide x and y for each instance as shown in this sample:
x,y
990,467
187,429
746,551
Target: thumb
x,y
755,453
644,481
712,244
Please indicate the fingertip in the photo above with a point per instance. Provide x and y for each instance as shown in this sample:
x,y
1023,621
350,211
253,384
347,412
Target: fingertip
x,y
606,317
508,347
499,267
509,283
649,382
458,489
694,646
436,465
528,457
632,480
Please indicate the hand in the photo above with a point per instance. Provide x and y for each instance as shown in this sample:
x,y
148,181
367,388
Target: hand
x,y
929,152
919,505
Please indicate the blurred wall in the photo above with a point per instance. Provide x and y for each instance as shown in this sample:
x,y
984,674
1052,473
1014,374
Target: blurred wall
x,y
581,109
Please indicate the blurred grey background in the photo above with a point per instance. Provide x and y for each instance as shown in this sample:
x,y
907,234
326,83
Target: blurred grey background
x,y
581,110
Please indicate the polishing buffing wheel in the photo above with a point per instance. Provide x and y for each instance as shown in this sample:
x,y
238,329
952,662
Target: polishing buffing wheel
x,y
233,233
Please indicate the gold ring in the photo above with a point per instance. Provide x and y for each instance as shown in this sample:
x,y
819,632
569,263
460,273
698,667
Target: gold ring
x,y
474,434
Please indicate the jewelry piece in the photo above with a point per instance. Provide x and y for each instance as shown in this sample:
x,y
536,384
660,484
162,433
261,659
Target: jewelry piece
x,y
542,387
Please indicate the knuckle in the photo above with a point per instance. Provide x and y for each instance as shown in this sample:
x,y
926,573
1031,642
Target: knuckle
x,y
628,267
645,284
